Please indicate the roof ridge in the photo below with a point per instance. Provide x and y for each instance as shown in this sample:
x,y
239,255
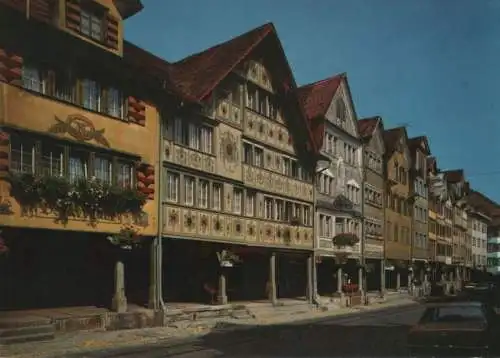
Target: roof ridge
x,y
324,80
217,45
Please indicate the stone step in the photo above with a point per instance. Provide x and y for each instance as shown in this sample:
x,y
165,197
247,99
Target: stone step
x,y
37,337
28,330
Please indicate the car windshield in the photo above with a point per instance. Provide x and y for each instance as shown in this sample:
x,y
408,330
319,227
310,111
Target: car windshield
x,y
453,313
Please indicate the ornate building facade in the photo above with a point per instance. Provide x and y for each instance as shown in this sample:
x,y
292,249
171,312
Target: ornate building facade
x,y
70,175
238,175
419,151
329,109
398,227
371,130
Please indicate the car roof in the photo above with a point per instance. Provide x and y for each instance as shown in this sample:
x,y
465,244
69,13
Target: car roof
x,y
455,304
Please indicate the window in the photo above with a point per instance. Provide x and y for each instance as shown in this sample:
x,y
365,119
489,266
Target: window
x,y
52,160
259,157
268,208
247,153
189,190
194,139
252,98
102,169
328,226
203,186
217,196
279,210
206,139
91,95
236,95
287,166
237,200
124,175
173,187
250,203
114,102
78,166
33,79
307,216
22,154
340,110
91,25
64,85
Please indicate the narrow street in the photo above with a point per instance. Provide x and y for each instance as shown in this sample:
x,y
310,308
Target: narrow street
x,y
377,333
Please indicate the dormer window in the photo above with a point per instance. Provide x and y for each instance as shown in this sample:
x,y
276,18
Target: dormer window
x,y
91,25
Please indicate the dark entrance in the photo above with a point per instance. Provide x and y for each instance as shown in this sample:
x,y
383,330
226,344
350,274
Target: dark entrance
x,y
48,268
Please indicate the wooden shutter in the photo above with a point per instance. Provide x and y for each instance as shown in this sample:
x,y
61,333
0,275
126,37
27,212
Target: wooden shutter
x,y
136,110
4,153
73,14
42,10
112,31
11,67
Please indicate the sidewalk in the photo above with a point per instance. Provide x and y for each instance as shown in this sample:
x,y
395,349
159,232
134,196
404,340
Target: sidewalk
x,y
86,342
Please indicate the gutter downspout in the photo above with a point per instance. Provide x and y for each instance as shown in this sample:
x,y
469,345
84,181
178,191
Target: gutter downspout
x,y
158,241
363,238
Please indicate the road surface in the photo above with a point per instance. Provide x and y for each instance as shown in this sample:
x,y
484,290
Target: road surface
x,y
365,334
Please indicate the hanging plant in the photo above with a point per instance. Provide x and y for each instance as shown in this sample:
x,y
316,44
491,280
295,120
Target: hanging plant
x,y
90,198
227,258
345,239
127,239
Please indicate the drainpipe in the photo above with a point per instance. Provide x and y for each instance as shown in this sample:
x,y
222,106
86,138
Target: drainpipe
x,y
28,7
363,239
158,241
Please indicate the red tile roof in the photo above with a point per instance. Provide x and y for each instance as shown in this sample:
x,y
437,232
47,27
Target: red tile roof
x,y
415,142
200,73
367,126
391,138
316,97
454,176
482,203
196,76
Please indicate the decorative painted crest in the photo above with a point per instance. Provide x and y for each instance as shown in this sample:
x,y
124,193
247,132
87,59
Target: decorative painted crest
x,y
79,127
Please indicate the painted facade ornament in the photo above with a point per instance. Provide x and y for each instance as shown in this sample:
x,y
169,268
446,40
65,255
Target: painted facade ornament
x,y
229,150
79,127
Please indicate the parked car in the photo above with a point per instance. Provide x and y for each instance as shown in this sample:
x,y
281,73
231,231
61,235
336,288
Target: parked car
x,y
454,328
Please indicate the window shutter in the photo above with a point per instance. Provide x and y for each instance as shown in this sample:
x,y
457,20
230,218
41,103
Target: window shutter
x,y
73,13
136,111
11,67
4,153
42,10
112,32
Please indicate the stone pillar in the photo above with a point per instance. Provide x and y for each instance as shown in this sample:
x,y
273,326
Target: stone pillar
x,y
339,280
315,278
382,277
154,268
221,294
273,297
119,303
410,281
309,292
398,280
360,279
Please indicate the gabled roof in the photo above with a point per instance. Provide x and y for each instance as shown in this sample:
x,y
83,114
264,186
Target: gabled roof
x,y
128,8
200,73
392,137
367,126
483,204
454,176
197,75
432,164
416,142
316,97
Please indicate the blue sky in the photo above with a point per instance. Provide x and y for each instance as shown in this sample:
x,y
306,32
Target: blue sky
x,y
431,64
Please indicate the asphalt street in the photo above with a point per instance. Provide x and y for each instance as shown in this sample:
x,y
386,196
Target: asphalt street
x,y
379,333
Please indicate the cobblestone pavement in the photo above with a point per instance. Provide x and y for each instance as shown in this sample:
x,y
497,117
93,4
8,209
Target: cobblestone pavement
x,y
96,341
